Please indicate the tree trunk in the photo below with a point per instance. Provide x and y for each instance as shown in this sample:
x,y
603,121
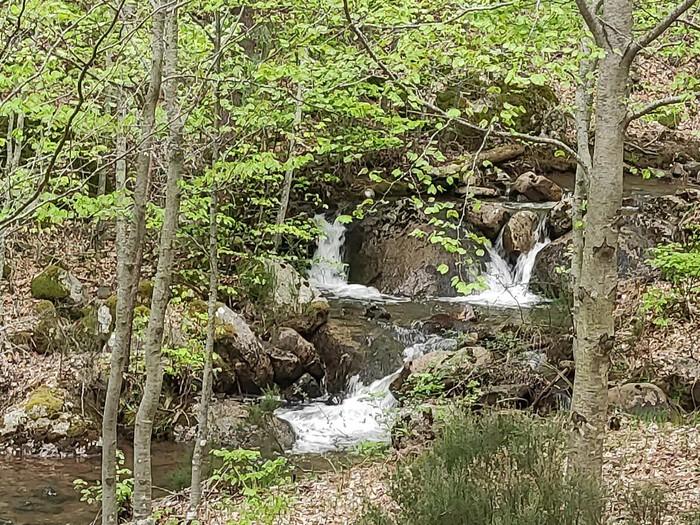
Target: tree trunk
x,y
289,174
129,255
200,444
594,323
161,285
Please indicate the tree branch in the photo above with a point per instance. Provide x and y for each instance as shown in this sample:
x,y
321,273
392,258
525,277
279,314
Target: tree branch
x,y
16,31
592,22
46,177
443,114
657,31
457,17
650,108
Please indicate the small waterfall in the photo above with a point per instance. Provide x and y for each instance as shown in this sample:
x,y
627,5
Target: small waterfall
x,y
508,287
329,274
362,416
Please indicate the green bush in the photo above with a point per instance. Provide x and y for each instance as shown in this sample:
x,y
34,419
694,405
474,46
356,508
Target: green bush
x,y
495,469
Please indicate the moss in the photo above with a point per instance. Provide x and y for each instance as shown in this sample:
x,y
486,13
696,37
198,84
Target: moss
x,y
45,308
48,284
45,402
145,291
142,311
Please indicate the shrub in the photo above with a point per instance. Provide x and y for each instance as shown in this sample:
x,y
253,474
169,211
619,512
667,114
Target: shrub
x,y
496,469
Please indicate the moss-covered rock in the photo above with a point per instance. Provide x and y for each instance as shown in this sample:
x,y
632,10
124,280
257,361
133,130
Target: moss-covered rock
x,y
57,284
48,335
45,402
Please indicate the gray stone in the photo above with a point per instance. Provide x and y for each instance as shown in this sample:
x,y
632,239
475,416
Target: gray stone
x,y
536,188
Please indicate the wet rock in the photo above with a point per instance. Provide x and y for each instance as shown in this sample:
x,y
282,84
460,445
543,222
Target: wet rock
x,y
637,397
392,251
445,323
341,353
289,340
245,365
375,311
295,303
536,188
550,275
57,284
488,218
235,425
424,364
519,234
305,388
286,366
559,218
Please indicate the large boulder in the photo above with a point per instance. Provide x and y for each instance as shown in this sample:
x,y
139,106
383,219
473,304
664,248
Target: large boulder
x,y
519,234
382,252
342,353
57,284
235,425
637,397
292,356
294,302
536,188
245,365
488,218
550,275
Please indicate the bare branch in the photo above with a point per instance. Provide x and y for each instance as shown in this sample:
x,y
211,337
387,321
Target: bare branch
x,y
662,26
16,31
650,108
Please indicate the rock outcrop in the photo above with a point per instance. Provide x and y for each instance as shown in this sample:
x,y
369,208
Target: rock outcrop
x,y
245,365
536,188
57,284
292,300
519,234
559,218
488,218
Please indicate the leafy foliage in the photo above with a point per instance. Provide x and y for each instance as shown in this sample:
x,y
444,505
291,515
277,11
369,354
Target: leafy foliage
x,y
92,493
497,468
245,471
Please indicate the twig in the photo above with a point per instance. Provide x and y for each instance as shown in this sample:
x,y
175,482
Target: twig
x,y
657,31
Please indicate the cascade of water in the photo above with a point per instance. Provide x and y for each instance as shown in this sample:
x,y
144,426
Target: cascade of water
x,y
507,286
329,274
362,415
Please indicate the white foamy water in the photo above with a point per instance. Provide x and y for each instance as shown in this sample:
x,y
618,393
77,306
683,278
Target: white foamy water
x,y
330,275
508,287
363,415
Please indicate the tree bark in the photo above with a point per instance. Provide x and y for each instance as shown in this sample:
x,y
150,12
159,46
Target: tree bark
x,y
289,174
148,406
129,255
200,445
594,323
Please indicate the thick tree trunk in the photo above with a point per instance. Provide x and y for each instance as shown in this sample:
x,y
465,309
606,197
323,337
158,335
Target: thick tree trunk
x,y
594,323
161,284
129,255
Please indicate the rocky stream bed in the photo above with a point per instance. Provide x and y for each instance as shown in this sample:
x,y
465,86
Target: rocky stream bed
x,y
343,346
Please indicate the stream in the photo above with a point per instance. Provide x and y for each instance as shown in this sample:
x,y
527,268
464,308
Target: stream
x,y
363,415
40,491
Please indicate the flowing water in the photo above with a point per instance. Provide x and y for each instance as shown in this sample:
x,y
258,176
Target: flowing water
x,y
363,414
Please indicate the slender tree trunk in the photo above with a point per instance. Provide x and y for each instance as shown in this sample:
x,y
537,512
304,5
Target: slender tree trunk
x,y
200,445
289,174
595,326
14,157
161,285
129,255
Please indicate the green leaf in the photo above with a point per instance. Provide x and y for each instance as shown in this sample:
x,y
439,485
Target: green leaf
x,y
442,269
